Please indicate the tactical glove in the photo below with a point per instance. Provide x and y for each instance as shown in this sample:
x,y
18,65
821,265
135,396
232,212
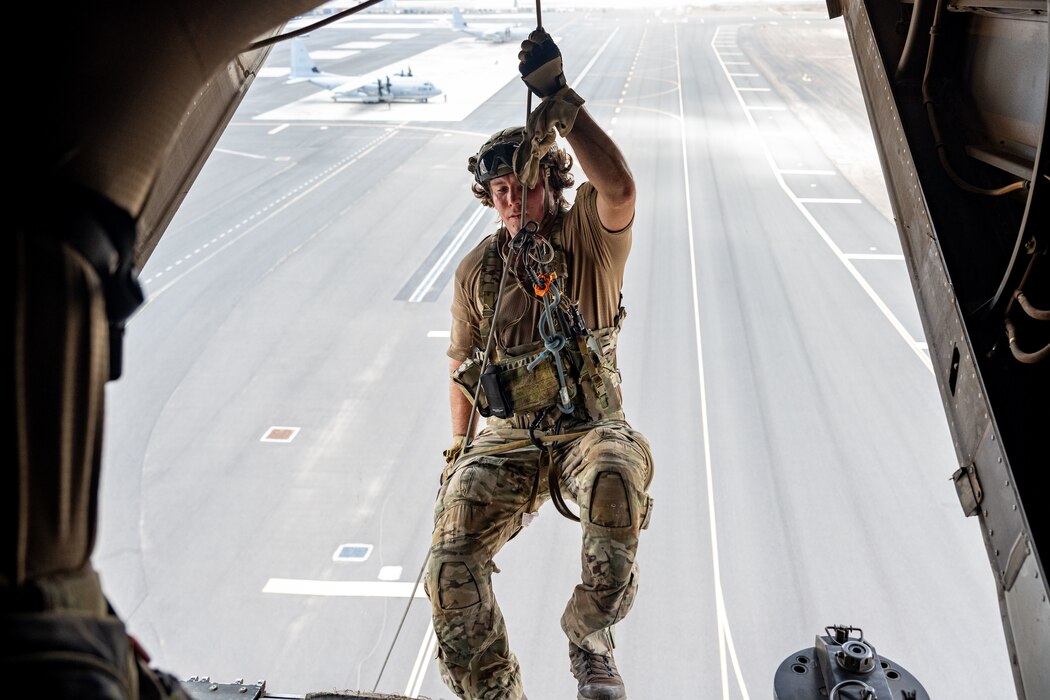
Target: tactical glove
x,y
559,112
539,63
452,453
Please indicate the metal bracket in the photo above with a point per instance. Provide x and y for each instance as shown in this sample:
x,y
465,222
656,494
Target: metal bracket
x,y
968,487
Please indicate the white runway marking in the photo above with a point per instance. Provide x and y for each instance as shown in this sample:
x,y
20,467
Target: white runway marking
x,y
725,638
240,153
291,197
423,656
390,573
808,215
874,256
828,200
332,54
395,36
280,433
362,45
277,129
348,589
442,262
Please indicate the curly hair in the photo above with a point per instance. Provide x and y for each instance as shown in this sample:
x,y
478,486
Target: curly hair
x,y
557,167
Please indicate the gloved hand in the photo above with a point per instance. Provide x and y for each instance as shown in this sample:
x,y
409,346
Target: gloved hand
x,y
452,453
539,63
557,112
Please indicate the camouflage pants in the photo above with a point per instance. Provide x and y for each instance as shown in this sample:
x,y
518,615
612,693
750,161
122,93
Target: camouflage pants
x,y
480,507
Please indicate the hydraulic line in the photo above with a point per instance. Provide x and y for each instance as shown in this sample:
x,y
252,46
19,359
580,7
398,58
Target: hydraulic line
x,y
1029,358
1032,311
927,100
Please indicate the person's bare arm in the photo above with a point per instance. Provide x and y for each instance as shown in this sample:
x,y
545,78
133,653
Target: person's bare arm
x,y
459,405
606,169
540,65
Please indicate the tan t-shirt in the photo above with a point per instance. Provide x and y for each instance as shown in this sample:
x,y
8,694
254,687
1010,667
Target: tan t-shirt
x,y
595,258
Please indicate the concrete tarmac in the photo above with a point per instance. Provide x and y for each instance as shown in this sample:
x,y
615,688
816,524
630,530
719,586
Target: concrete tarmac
x,y
273,450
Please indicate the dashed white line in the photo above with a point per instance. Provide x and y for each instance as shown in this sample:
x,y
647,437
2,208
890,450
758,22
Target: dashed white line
x,y
828,200
348,160
808,215
874,256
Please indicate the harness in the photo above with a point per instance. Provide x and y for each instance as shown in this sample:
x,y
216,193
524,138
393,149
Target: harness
x,y
570,369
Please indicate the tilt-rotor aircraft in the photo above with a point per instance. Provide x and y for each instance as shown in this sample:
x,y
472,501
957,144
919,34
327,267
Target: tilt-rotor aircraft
x,y
401,86
956,92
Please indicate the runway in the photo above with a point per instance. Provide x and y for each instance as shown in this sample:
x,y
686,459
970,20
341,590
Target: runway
x,y
273,450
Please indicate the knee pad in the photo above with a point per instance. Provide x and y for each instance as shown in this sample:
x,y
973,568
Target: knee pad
x,y
610,504
456,587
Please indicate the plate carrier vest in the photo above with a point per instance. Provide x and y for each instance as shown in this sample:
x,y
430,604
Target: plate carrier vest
x,y
515,382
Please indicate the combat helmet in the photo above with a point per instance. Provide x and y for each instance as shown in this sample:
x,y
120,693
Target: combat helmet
x,y
495,158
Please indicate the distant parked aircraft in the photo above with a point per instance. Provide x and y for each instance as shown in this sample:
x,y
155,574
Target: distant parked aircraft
x,y
497,33
396,87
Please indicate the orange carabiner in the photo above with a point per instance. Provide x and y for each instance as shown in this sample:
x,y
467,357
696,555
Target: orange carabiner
x,y
546,279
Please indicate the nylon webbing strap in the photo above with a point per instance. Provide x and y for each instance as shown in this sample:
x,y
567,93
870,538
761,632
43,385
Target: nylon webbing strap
x,y
520,444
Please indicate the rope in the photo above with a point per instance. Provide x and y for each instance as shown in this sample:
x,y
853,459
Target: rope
x,y
484,362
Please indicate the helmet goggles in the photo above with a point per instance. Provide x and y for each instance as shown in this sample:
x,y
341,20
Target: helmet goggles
x,y
496,161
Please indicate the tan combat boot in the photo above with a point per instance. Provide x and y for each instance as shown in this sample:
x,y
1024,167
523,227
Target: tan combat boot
x,y
596,674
